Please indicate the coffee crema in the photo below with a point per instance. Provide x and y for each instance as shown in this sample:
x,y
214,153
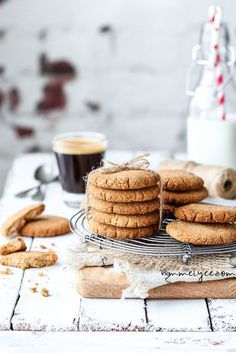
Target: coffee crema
x,y
76,157
79,146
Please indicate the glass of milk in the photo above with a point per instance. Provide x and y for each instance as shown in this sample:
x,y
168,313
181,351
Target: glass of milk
x,y
212,141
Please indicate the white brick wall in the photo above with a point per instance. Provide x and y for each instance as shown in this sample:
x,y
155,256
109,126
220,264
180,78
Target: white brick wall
x,y
136,72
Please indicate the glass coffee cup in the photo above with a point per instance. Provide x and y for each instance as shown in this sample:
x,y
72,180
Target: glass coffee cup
x,y
77,154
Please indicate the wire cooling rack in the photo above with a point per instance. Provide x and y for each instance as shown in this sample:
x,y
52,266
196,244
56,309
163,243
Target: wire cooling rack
x,y
158,244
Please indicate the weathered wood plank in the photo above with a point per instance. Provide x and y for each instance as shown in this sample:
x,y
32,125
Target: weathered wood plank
x,y
112,314
223,314
9,284
21,173
177,315
58,311
116,342
9,289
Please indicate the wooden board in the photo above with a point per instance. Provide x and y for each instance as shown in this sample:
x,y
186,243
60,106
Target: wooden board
x,y
100,282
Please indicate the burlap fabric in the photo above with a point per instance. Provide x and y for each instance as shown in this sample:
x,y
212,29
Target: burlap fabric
x,y
147,272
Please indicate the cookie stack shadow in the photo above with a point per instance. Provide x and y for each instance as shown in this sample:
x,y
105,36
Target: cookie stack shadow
x,y
180,188
204,224
123,204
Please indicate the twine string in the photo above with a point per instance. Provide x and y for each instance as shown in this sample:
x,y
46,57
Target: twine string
x,y
136,163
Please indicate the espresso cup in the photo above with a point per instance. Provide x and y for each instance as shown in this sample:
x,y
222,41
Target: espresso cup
x,y
77,154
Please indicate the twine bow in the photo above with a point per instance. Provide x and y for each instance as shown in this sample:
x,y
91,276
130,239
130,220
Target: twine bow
x,y
139,162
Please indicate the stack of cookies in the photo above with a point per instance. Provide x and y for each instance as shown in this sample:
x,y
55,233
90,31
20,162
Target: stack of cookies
x,y
203,224
124,204
180,188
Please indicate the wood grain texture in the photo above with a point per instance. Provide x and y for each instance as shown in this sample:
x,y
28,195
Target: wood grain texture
x,y
60,310
9,284
177,315
223,314
117,342
112,315
101,282
9,289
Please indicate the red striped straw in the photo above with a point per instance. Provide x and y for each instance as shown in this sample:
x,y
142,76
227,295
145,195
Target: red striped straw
x,y
215,18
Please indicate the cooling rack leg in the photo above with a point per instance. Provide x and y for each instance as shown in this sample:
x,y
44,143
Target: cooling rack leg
x,y
186,258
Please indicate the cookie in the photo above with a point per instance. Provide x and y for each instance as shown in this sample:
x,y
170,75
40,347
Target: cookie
x,y
139,195
45,226
28,259
15,222
204,213
125,208
14,245
168,209
202,234
184,198
133,221
120,232
124,180
180,180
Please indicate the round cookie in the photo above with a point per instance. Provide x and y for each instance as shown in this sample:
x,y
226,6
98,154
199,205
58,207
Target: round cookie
x,y
127,221
45,226
15,222
180,180
123,180
202,234
125,208
119,232
204,213
184,198
139,195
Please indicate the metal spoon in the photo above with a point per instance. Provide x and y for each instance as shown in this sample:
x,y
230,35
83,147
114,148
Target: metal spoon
x,y
44,175
39,195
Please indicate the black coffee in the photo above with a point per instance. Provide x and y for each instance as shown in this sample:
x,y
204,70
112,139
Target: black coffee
x,y
76,158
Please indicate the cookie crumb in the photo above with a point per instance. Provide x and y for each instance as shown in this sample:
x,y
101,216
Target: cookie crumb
x,y
36,284
40,274
53,244
42,246
33,289
44,292
6,271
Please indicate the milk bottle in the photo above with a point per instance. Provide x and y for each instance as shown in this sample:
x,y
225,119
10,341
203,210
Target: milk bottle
x,y
211,122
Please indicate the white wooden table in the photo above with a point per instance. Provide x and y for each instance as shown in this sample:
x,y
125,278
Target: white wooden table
x,y
65,310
